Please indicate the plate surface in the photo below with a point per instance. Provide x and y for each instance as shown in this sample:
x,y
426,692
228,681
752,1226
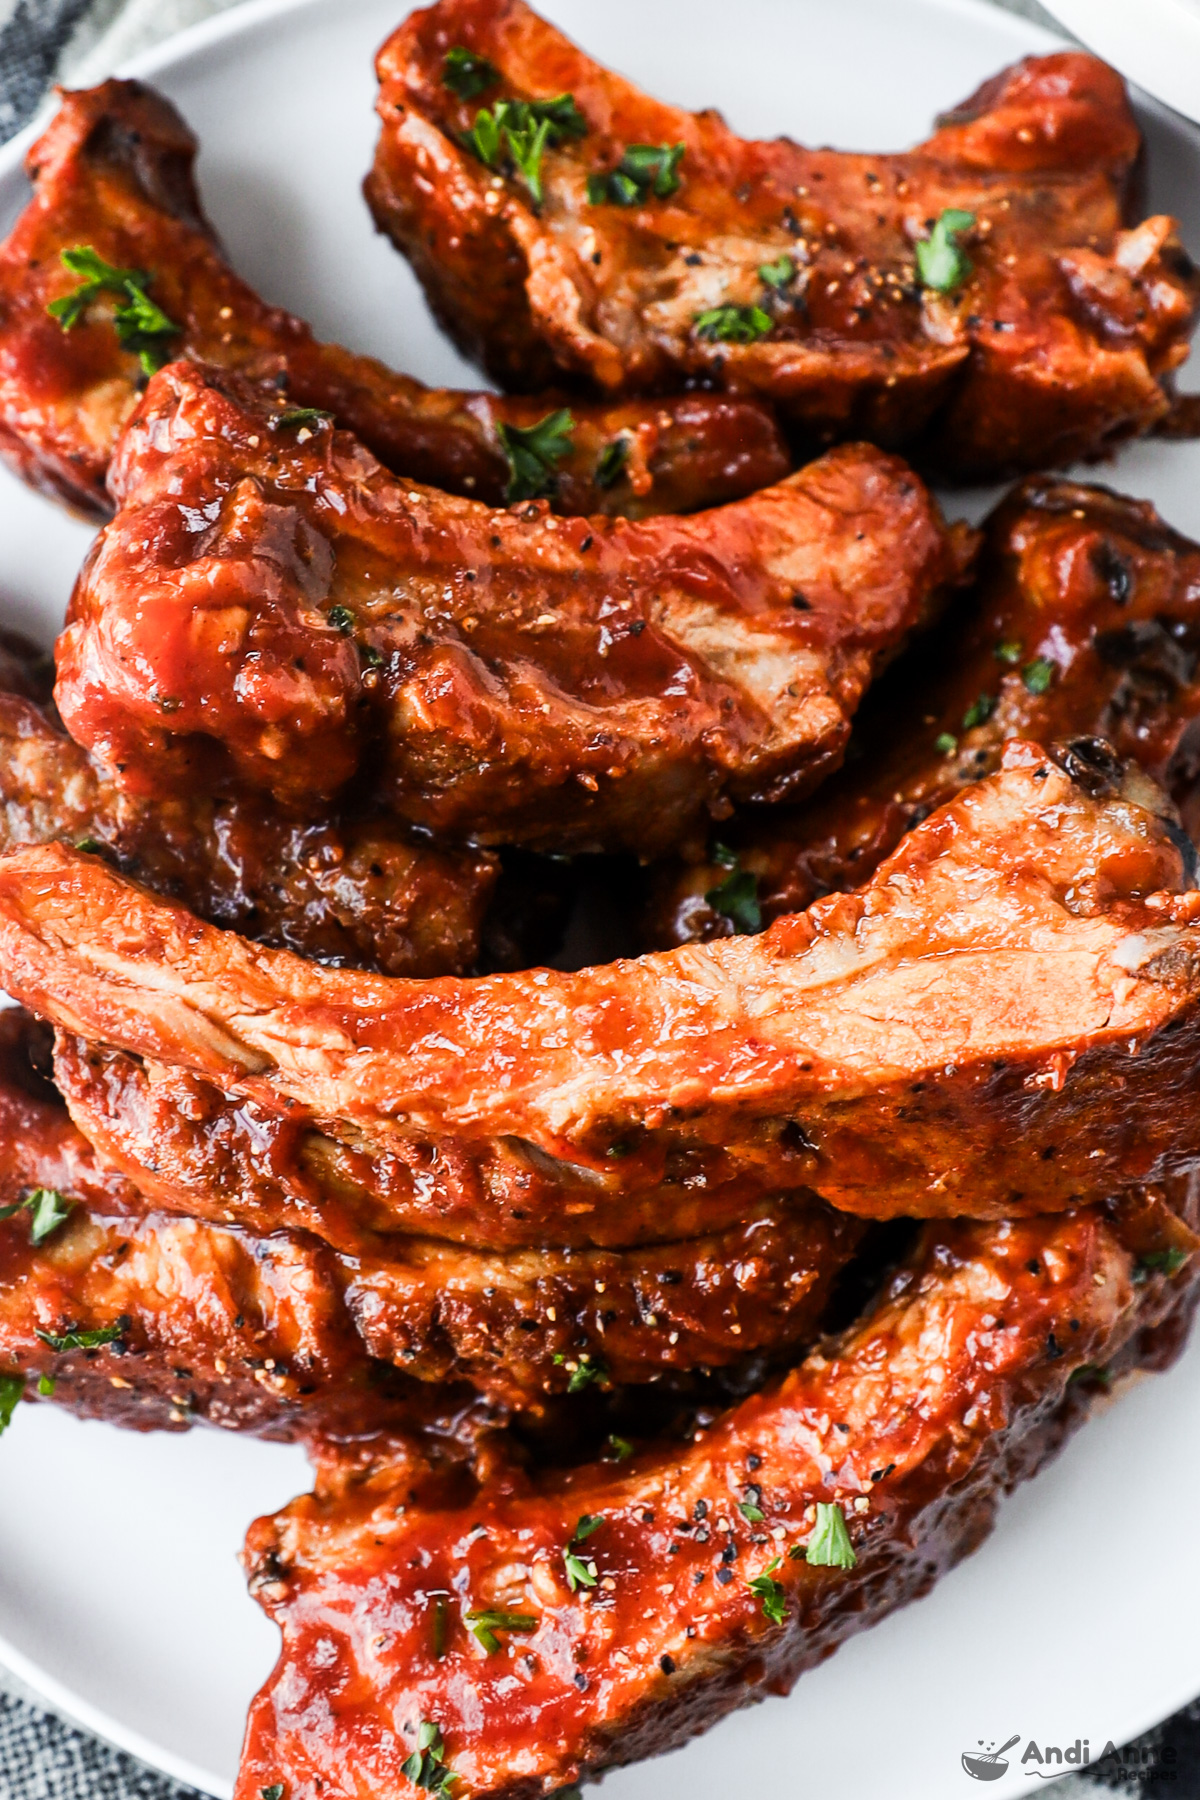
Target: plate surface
x,y
119,1595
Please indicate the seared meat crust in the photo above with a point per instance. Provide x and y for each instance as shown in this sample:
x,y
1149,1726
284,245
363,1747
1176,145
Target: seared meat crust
x,y
271,607
945,1041
1055,344
958,1385
114,171
344,890
1085,622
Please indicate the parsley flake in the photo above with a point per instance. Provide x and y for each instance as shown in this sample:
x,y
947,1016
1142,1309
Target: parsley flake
x,y
771,1593
940,263
736,898
1159,1262
466,74
46,1386
777,274
616,1449
427,1767
645,172
485,1625
522,130
274,1792
733,324
1009,652
830,1546
48,1209
142,326
979,712
533,451
1038,674
341,618
613,458
750,1511
580,1573
945,743
586,1371
11,1389
87,1340
300,415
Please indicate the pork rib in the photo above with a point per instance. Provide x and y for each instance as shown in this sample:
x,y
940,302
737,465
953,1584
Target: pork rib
x,y
113,173
1047,333
1084,621
271,607
959,1384
345,890
948,1040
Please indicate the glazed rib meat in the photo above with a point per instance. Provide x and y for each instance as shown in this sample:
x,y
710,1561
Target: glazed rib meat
x,y
343,889
945,1041
273,608
1084,621
279,1334
113,174
959,1384
986,297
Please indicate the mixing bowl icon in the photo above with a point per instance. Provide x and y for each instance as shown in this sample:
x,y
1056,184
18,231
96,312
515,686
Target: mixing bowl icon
x,y
988,1765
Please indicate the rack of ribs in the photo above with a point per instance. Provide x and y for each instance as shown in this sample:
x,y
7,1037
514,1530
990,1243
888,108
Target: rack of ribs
x,y
113,176
945,1041
986,297
1084,621
624,1609
272,608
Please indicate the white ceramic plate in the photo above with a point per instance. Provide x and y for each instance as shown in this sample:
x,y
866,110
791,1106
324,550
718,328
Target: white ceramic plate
x,y
119,1596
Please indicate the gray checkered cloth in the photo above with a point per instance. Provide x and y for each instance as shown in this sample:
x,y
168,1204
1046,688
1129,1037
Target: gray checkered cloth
x,y
41,1758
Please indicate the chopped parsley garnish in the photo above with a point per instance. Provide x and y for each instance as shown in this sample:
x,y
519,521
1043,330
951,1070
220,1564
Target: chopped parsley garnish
x,y
46,1386
940,263
587,1370
93,847
11,1389
830,1546
580,1573
777,274
945,743
523,130
142,326
427,1767
1159,1262
751,1510
468,75
733,324
979,712
772,1593
87,1340
1038,674
342,619
645,172
1009,652
612,462
48,1210
616,1449
300,415
274,1792
533,451
736,898
485,1625
1092,1372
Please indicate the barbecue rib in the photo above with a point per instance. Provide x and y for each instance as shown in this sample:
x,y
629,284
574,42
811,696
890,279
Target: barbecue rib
x,y
272,607
662,248
359,891
1085,621
945,1041
113,173
960,1384
280,1334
